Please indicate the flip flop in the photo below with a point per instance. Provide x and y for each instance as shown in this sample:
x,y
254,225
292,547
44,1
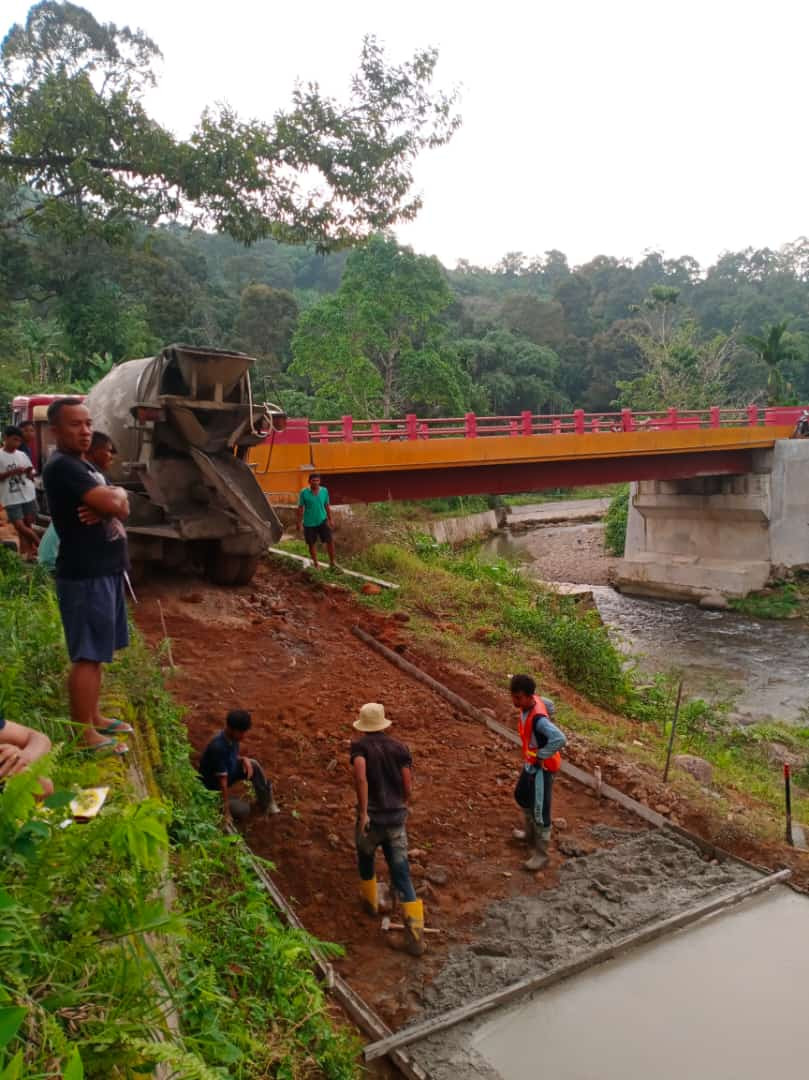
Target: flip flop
x,y
108,746
116,727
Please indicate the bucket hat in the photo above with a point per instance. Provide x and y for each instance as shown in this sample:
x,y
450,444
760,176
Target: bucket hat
x,y
372,718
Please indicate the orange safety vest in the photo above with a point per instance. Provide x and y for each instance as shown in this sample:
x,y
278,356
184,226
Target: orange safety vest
x,y
526,729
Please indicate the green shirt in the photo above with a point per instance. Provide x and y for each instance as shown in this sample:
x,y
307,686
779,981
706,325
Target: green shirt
x,y
314,506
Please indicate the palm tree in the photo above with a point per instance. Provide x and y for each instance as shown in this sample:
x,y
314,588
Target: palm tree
x,y
773,349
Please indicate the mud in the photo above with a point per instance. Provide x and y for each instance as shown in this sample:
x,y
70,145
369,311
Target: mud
x,y
284,650
645,877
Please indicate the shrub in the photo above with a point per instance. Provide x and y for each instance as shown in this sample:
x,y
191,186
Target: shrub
x,y
615,522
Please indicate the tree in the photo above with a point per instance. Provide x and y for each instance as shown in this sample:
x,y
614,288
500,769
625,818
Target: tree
x,y
378,344
513,373
540,320
265,323
78,145
773,348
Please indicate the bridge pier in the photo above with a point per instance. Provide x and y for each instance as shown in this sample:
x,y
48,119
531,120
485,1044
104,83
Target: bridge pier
x,y
719,534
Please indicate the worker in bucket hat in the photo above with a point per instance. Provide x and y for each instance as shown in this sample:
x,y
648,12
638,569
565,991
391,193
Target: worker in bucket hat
x,y
382,769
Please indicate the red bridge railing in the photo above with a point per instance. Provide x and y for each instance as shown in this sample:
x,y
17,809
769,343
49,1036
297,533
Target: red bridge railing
x,y
471,426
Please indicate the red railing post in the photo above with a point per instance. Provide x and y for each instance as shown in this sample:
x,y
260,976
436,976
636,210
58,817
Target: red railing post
x,y
673,419
471,425
556,425
348,429
527,426
424,431
412,426
752,415
627,422
324,433
578,421
595,424
715,421
375,434
513,427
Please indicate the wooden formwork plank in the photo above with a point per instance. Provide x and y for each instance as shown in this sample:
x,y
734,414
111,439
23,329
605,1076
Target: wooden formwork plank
x,y
306,561
534,983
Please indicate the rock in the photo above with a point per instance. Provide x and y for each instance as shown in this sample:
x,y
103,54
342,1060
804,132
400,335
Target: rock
x,y
334,840
778,753
484,633
401,616
559,823
663,808
417,853
438,875
416,869
697,767
332,765
714,601
369,589
192,598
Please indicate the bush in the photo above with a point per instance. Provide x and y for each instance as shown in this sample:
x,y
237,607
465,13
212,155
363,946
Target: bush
x,y
615,522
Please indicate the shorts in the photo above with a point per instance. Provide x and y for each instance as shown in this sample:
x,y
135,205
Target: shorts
x,y
19,511
93,616
322,532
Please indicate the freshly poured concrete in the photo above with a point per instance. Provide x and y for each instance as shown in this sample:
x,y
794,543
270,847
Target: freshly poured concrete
x,y
723,1000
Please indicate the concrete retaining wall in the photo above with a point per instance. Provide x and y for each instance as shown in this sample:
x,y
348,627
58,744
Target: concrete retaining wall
x,y
456,530
714,534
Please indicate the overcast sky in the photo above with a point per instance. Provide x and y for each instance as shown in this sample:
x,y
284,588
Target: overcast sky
x,y
592,126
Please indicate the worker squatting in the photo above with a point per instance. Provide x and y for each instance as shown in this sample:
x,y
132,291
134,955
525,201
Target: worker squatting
x,y
382,770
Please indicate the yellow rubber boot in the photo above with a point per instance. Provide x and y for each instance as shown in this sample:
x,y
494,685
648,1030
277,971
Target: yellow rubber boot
x,y
368,892
413,911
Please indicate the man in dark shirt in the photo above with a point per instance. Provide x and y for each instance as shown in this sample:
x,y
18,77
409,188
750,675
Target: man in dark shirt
x,y
221,766
87,515
383,778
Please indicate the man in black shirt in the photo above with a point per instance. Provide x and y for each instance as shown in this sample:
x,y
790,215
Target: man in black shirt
x,y
382,779
221,765
87,516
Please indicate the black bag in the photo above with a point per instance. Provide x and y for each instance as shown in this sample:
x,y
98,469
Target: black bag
x,y
524,790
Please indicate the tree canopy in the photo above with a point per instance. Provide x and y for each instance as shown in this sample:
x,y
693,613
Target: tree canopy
x,y
79,150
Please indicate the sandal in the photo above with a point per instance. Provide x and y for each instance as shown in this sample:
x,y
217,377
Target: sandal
x,y
116,727
107,746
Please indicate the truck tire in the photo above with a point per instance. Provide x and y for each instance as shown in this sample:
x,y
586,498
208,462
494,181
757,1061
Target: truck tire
x,y
225,569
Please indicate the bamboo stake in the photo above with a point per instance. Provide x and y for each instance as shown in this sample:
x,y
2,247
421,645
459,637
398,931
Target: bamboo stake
x,y
166,637
673,729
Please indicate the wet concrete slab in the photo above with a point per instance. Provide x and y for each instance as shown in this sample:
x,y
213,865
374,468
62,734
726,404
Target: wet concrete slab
x,y
724,999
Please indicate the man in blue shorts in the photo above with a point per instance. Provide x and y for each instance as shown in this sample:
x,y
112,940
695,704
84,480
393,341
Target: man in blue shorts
x,y
87,515
314,512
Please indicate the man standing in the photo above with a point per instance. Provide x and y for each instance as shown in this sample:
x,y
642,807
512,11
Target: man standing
x,y
17,492
29,441
221,766
100,455
314,511
87,516
541,743
383,779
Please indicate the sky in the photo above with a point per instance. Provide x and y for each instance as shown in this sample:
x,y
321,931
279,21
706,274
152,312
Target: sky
x,y
592,126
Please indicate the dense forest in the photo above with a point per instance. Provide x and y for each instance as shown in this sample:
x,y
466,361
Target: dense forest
x,y
116,238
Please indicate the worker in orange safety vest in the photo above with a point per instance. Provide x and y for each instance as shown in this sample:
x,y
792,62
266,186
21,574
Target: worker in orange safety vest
x,y
541,742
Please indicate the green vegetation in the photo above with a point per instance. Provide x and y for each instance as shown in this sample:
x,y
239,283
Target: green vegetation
x,y
95,952
488,615
781,600
615,521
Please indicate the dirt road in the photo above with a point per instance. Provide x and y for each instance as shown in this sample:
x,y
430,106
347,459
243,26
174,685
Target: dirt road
x,y
283,649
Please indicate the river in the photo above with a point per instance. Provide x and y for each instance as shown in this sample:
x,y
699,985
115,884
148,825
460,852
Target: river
x,y
760,664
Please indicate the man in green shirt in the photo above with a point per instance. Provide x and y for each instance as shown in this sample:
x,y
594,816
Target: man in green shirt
x,y
314,512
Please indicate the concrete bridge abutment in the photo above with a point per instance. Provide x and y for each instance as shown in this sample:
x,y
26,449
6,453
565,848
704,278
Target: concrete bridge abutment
x,y
719,534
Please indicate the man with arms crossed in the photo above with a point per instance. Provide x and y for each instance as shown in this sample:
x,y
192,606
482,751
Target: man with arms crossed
x,y
87,516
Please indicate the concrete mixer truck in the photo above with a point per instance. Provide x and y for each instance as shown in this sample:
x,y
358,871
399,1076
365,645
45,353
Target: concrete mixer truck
x,y
182,423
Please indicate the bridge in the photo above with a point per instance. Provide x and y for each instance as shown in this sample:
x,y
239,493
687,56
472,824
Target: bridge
x,y
414,458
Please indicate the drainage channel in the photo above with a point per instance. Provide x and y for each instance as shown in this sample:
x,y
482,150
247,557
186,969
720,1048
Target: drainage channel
x,y
485,1008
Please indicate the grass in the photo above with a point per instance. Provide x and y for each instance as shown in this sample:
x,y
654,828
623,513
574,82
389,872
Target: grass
x,y
487,615
781,600
616,520
92,957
